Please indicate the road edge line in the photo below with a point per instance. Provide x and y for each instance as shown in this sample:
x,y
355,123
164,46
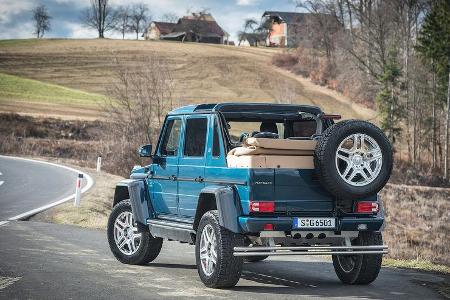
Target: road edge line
x,y
27,214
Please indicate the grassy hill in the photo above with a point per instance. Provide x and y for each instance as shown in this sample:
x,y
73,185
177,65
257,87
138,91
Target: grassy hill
x,y
203,73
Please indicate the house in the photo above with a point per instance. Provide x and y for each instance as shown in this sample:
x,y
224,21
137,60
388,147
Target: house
x,y
289,29
156,29
200,28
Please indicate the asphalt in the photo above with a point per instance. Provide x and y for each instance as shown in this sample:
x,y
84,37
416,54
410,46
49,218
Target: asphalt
x,y
49,261
29,184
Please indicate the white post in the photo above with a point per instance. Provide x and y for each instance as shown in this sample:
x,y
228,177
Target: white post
x,y
99,163
78,190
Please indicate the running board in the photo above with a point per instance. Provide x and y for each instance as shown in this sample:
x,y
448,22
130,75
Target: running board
x,y
175,231
310,250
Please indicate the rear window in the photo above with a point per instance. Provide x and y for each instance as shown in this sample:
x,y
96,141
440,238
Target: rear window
x,y
195,137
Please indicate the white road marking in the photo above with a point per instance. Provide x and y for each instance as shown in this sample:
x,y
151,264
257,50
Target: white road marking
x,y
3,222
7,281
2,182
29,213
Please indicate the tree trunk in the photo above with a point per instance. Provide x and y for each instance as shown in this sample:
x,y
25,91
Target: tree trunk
x,y
447,125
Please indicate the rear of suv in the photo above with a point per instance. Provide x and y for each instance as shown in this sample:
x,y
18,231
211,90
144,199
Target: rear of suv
x,y
249,181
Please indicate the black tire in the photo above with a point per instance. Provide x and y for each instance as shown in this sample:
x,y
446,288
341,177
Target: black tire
x,y
253,259
149,246
360,269
325,155
228,268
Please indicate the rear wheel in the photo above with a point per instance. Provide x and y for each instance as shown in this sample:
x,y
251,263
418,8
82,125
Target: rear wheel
x,y
127,244
216,264
363,268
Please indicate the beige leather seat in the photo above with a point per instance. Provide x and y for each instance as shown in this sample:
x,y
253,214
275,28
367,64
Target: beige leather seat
x,y
273,153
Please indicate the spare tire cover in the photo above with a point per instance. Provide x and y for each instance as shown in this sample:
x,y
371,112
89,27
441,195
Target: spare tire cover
x,y
353,159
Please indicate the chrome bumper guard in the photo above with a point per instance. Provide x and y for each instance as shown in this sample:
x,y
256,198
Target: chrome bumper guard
x,y
310,250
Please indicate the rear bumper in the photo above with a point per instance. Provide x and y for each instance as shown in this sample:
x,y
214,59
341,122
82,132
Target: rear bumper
x,y
256,224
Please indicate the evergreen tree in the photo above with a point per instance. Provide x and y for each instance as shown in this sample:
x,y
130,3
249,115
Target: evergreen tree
x,y
388,103
434,47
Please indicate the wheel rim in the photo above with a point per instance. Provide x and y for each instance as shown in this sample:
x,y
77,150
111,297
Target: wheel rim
x,y
347,262
358,159
126,234
208,250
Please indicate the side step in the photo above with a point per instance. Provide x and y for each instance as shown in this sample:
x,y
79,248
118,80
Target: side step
x,y
176,231
310,250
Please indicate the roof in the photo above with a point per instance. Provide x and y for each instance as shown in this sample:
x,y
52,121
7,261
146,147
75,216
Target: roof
x,y
237,110
288,17
201,27
165,27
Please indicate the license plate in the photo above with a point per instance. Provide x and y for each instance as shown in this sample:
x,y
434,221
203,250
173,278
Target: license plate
x,y
314,223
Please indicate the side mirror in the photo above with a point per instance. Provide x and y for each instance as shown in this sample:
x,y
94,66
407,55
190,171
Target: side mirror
x,y
145,151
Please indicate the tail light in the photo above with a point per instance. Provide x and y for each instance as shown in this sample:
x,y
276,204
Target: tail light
x,y
262,206
268,227
367,207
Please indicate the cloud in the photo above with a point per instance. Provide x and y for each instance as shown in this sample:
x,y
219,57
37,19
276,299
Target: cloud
x,y
246,2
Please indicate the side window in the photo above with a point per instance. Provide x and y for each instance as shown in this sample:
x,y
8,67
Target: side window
x,y
216,142
195,137
169,146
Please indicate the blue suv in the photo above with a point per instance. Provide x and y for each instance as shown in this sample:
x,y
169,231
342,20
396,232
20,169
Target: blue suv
x,y
245,181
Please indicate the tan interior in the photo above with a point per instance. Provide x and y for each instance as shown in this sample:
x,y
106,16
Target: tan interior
x,y
273,153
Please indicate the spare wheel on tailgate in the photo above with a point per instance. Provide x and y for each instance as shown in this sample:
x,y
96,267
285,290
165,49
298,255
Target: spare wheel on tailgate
x,y
353,159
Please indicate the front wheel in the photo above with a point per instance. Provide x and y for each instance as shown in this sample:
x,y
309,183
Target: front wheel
x,y
127,244
362,268
216,264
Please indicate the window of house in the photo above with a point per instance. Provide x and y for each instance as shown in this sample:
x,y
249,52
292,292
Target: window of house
x,y
216,142
170,142
195,137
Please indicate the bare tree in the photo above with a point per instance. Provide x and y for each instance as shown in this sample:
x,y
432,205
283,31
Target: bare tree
x,y
100,16
123,20
41,20
170,18
139,17
139,98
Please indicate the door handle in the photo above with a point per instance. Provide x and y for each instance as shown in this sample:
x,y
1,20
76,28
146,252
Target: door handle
x,y
199,179
173,178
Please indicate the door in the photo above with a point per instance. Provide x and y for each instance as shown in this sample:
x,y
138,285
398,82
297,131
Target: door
x,y
163,185
192,164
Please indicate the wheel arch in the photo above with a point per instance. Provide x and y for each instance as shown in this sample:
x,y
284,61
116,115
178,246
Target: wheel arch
x,y
136,191
120,193
223,198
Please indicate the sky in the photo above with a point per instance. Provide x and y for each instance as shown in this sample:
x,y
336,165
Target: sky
x,y
16,23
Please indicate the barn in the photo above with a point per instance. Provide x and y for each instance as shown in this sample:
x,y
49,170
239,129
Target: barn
x,y
156,29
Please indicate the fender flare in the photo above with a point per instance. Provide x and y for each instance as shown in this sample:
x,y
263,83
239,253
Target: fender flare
x,y
135,190
226,200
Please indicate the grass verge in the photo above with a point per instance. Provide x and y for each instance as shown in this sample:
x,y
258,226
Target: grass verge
x,y
22,89
423,265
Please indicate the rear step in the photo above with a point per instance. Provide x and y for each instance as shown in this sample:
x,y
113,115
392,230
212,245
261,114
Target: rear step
x,y
310,250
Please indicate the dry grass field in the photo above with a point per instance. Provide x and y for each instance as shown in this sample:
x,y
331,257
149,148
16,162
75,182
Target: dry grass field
x,y
202,73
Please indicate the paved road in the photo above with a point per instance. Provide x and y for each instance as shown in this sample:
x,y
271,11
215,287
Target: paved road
x,y
43,261
26,185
